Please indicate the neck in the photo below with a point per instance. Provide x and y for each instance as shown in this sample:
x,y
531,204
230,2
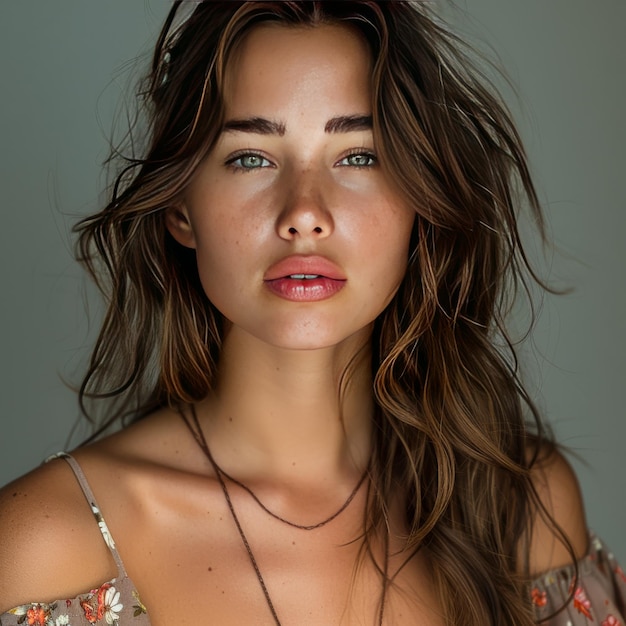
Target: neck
x,y
291,415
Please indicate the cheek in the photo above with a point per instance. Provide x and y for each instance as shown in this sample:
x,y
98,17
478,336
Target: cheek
x,y
217,233
388,234
213,255
226,256
393,245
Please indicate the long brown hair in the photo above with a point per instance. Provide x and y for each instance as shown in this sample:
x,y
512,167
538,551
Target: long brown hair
x,y
451,434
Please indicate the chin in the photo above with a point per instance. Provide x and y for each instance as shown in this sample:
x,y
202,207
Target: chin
x,y
318,338
299,332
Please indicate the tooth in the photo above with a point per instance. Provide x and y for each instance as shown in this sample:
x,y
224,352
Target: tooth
x,y
303,276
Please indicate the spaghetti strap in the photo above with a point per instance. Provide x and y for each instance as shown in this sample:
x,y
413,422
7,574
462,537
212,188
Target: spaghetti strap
x,y
95,509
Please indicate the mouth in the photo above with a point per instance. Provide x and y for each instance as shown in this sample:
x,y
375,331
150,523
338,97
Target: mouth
x,y
304,279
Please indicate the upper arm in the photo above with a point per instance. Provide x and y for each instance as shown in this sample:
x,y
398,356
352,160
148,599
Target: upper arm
x,y
559,495
50,546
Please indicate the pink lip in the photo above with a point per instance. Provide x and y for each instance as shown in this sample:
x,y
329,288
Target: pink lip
x,y
304,265
329,278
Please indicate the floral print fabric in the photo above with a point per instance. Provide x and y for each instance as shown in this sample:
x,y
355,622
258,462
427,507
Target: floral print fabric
x,y
114,603
597,596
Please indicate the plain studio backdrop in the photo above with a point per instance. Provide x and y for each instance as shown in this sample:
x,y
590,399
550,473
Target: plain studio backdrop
x,y
64,68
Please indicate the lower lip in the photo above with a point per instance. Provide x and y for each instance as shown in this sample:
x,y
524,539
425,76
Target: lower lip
x,y
309,290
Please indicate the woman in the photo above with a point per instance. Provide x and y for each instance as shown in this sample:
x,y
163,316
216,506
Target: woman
x,y
307,273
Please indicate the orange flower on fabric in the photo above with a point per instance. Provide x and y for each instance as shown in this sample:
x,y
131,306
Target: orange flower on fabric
x,y
37,616
611,620
581,603
94,612
539,598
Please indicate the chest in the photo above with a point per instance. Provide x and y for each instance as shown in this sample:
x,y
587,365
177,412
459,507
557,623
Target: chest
x,y
193,566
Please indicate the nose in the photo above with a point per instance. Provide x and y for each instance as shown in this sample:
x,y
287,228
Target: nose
x,y
305,212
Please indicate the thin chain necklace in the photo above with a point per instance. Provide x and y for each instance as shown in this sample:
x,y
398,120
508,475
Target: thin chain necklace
x,y
198,435
245,487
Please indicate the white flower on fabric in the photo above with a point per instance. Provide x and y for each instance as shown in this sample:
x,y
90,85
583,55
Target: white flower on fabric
x,y
112,605
62,620
20,610
104,529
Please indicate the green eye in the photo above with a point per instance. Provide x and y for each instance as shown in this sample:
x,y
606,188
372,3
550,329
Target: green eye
x,y
249,161
360,159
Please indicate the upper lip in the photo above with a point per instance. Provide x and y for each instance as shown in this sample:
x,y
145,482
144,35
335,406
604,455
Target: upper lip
x,y
317,265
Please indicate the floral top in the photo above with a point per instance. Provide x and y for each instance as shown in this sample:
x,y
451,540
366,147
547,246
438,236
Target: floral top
x,y
599,592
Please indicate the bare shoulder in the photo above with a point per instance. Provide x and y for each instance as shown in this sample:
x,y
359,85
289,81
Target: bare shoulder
x,y
559,494
51,547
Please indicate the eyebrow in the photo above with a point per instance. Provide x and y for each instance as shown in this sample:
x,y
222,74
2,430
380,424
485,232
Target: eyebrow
x,y
348,123
258,125
263,126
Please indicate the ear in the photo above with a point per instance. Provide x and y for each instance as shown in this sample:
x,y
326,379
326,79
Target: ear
x,y
179,225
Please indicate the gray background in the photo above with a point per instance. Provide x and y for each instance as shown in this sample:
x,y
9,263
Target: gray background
x,y
62,69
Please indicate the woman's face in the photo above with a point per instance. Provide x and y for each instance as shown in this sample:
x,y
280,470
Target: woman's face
x,y
300,240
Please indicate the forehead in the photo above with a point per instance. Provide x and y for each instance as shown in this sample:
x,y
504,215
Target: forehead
x,y
276,65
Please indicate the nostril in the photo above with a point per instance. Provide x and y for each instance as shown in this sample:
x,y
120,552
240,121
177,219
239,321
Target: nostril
x,y
292,230
317,229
